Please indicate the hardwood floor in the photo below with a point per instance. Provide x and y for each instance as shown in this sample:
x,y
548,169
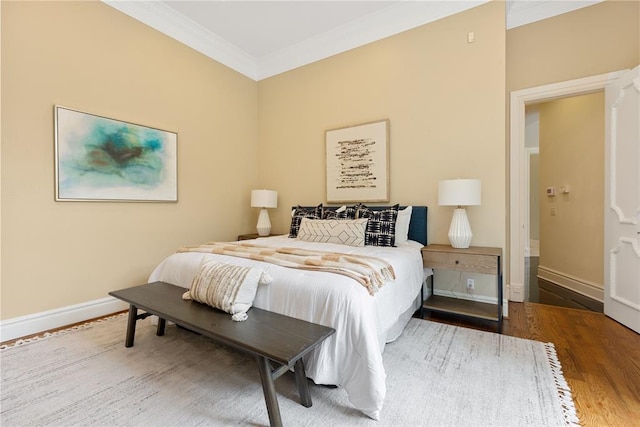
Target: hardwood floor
x,y
600,358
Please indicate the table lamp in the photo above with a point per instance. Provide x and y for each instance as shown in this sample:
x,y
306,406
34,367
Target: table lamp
x,y
459,192
264,199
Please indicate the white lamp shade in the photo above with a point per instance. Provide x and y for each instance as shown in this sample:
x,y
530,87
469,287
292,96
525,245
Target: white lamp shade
x,y
264,199
459,192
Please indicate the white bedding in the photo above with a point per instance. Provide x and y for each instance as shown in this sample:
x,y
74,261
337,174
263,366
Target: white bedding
x,y
352,357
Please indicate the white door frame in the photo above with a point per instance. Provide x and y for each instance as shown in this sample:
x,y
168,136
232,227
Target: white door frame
x,y
517,158
528,152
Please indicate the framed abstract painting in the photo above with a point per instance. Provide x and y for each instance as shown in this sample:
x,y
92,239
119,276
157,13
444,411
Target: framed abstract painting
x,y
358,163
103,159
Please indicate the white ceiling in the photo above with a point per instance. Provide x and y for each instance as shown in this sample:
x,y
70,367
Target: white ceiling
x,y
262,27
263,38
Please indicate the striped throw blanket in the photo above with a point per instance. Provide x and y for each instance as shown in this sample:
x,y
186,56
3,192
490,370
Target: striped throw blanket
x,y
370,272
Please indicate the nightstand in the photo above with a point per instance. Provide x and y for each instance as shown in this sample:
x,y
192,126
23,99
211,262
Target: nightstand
x,y
472,260
250,236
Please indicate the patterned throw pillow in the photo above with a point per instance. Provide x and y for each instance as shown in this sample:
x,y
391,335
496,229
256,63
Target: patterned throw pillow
x,y
343,212
342,231
329,213
381,227
227,287
299,213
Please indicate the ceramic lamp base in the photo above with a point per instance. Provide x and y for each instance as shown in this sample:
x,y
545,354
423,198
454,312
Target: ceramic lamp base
x,y
460,231
264,224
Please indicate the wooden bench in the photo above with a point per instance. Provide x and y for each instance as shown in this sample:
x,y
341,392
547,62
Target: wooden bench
x,y
270,337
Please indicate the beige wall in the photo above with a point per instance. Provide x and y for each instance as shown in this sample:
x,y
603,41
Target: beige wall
x,y
443,96
571,155
88,56
589,41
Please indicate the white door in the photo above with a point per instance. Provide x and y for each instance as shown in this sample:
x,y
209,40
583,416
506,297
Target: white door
x,y
622,200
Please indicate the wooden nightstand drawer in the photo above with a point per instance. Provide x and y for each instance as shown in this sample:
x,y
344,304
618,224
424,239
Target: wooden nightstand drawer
x,y
486,264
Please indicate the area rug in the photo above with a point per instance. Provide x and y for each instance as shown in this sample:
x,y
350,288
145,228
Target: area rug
x,y
437,375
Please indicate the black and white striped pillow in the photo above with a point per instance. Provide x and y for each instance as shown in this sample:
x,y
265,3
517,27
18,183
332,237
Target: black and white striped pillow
x,y
298,213
343,212
381,227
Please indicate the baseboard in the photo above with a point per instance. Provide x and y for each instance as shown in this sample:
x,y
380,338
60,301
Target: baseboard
x,y
476,298
552,294
572,283
470,297
19,327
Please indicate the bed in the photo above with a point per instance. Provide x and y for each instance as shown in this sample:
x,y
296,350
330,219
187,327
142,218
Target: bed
x,y
352,358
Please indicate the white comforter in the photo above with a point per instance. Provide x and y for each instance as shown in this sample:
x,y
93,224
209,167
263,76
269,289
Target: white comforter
x,y
352,357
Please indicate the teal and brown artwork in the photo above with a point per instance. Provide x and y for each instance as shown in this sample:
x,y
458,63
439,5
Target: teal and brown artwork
x,y
98,158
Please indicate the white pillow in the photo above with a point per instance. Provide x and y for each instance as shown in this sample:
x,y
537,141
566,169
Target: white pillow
x,y
227,287
402,225
342,231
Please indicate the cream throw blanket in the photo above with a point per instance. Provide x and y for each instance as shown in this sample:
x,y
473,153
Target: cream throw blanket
x,y
370,272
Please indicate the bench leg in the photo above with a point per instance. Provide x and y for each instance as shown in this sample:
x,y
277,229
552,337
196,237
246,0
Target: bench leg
x,y
161,324
269,390
131,325
303,383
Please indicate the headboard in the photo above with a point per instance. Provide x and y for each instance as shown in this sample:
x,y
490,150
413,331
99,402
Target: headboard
x,y
417,225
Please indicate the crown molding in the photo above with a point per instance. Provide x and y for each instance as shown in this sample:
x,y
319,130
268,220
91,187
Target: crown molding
x,y
525,12
386,22
177,26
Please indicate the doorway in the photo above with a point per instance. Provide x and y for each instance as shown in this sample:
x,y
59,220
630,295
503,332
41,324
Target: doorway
x,y
564,166
519,191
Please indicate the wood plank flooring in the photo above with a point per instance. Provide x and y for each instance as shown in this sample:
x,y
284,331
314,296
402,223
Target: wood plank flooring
x,y
600,358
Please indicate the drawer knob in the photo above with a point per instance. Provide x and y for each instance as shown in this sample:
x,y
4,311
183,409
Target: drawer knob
x,y
457,262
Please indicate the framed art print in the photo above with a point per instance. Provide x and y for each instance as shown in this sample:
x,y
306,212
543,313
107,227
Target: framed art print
x,y
358,163
103,159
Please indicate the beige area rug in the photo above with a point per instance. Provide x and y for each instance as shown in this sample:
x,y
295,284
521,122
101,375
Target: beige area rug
x,y
437,375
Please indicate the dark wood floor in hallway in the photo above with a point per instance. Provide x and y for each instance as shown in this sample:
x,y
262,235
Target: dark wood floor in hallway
x,y
600,358
543,292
